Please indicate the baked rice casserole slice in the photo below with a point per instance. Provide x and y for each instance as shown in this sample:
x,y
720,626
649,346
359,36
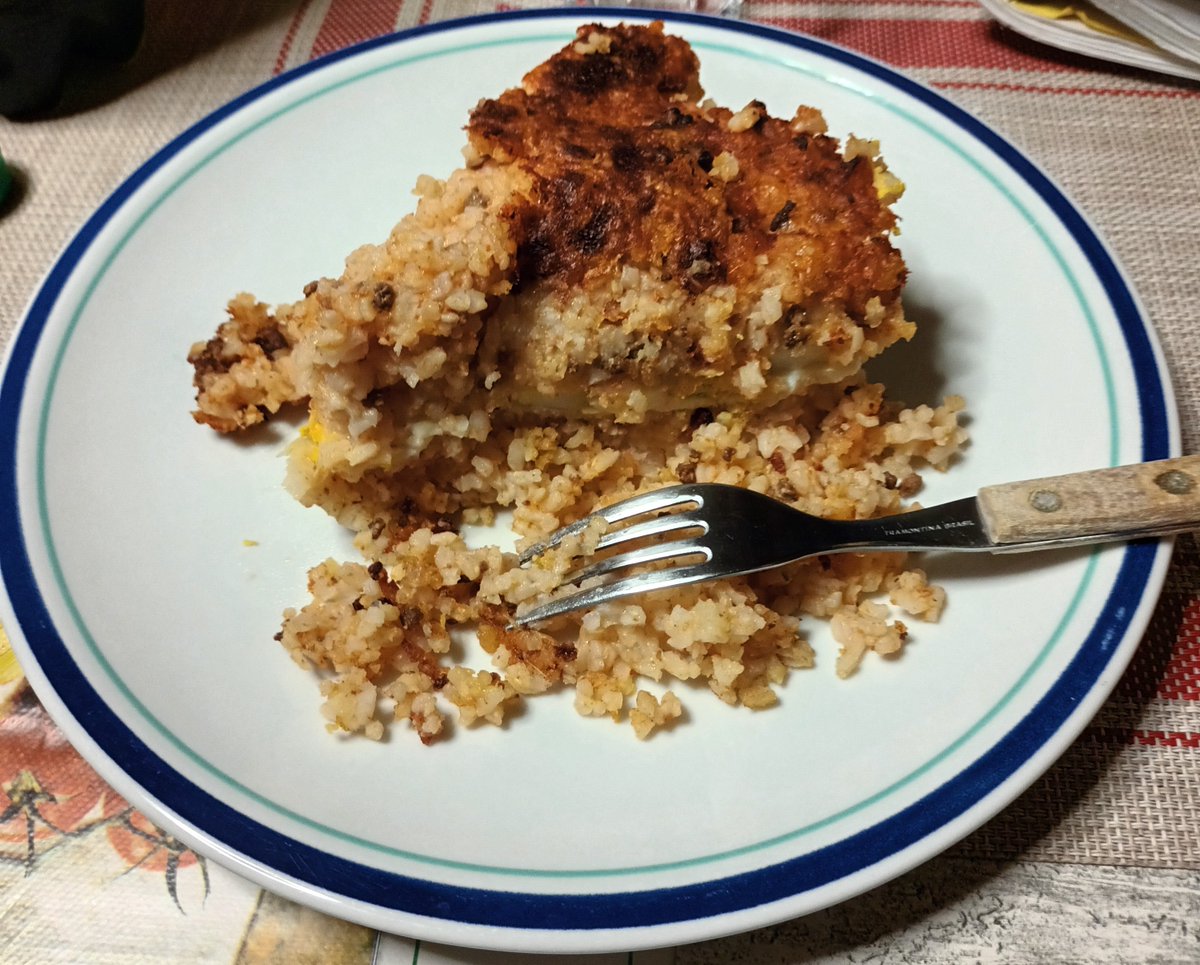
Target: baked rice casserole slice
x,y
624,287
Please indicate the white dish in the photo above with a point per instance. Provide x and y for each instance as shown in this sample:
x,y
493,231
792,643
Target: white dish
x,y
145,623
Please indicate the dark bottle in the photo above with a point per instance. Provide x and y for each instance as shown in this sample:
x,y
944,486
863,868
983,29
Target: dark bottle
x,y
41,39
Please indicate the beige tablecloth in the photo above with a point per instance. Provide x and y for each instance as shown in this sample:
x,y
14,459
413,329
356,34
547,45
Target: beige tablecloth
x,y
1099,861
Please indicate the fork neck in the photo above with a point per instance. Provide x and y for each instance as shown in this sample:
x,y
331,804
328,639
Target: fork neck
x,y
953,525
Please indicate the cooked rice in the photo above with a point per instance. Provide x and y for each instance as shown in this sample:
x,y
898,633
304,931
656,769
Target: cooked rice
x,y
442,388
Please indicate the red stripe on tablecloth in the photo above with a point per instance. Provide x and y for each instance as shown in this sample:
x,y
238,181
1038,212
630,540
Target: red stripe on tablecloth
x,y
1181,679
426,7
1045,89
288,38
1145,738
973,4
936,43
1166,738
349,21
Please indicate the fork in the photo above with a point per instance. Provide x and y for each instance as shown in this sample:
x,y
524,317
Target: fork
x,y
710,531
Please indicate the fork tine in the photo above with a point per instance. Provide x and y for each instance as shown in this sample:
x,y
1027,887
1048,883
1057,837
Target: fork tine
x,y
651,502
638,583
651,527
644,554
573,529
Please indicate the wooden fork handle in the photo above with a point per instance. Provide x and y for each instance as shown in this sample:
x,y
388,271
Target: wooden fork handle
x,y
1147,499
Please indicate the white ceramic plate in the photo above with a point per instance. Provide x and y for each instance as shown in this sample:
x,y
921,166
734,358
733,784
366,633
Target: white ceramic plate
x,y
145,622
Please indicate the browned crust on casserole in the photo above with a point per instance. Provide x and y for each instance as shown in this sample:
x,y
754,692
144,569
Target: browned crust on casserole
x,y
621,155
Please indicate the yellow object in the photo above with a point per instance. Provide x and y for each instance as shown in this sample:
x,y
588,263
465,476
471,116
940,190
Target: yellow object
x,y
1085,13
314,432
10,670
888,187
249,542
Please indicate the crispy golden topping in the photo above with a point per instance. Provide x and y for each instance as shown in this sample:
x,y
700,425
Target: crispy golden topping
x,y
630,169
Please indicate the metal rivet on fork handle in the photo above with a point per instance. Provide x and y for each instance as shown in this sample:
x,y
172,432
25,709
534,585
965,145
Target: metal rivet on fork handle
x,y
1045,501
1175,482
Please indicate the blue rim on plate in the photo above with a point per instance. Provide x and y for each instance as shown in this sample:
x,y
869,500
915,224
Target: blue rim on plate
x,y
214,821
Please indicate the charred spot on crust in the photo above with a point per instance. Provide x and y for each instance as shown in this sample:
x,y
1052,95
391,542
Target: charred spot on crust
x,y
783,215
494,110
493,117
671,85
626,158
644,58
700,417
588,76
535,259
704,160
590,238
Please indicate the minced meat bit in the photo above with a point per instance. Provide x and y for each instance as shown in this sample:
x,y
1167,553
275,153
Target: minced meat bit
x,y
243,374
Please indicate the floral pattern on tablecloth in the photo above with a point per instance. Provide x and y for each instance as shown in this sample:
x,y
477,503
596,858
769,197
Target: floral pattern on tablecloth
x,y
78,862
